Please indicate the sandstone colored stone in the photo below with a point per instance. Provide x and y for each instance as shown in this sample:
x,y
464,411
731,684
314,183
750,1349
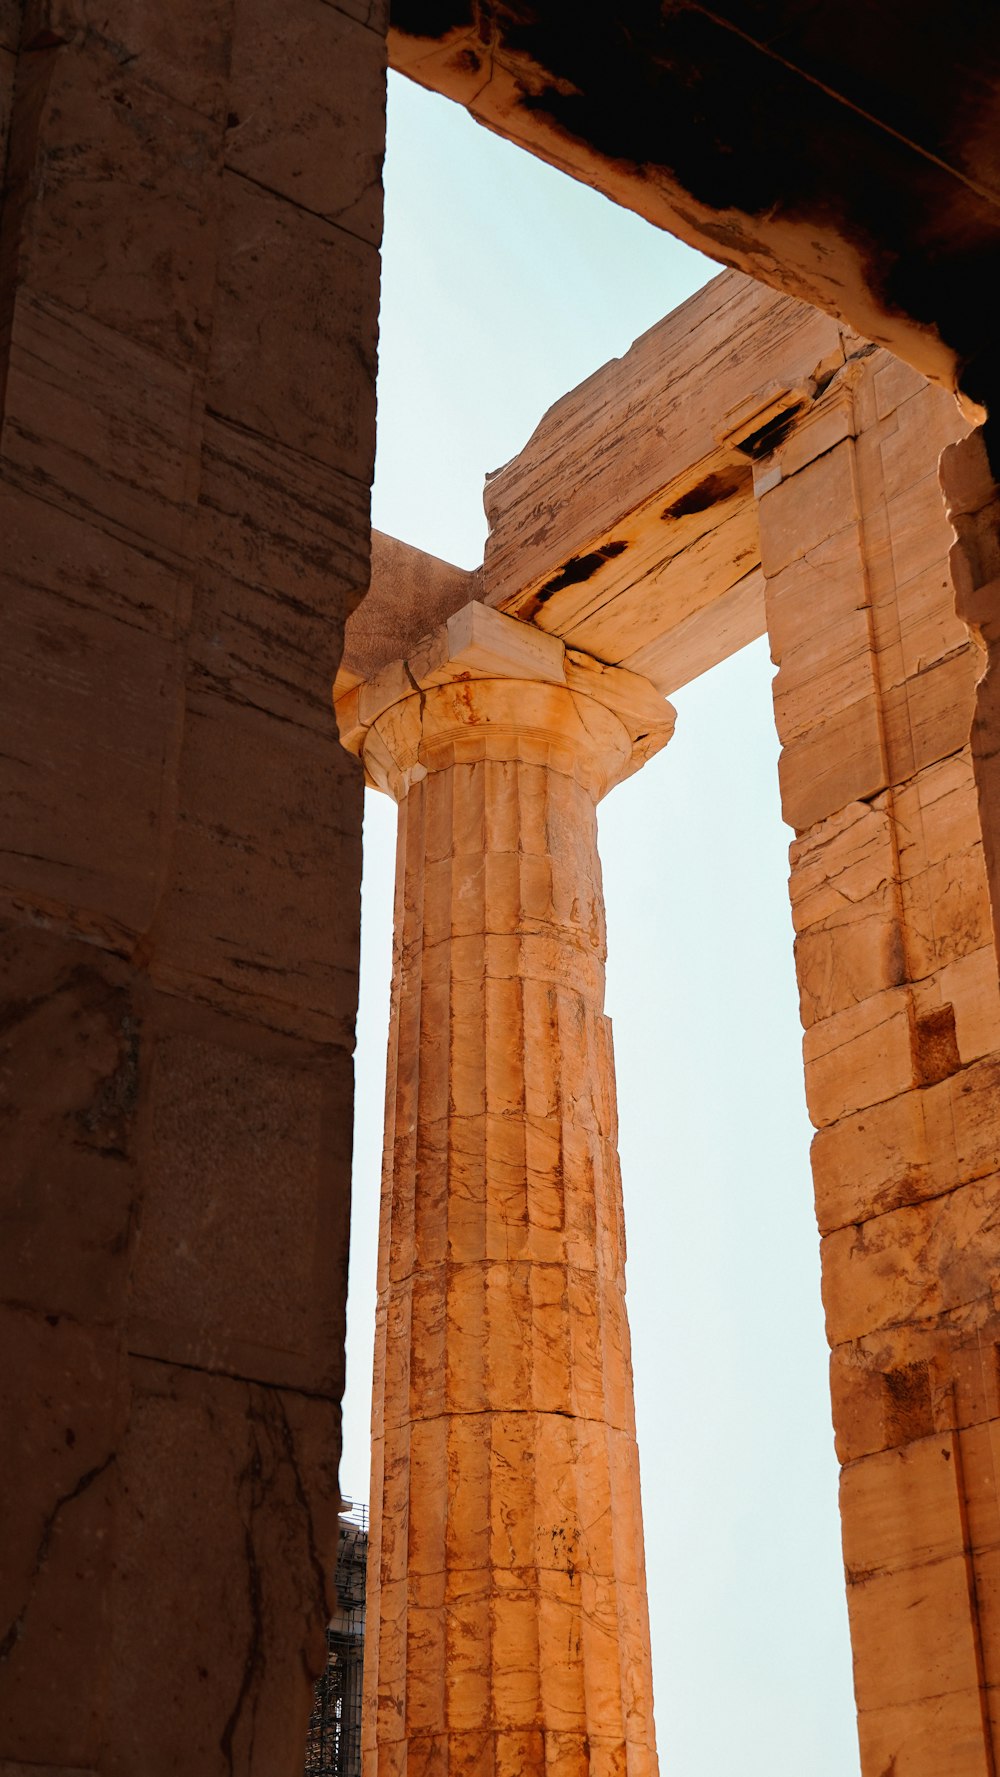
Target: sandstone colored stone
x,y
912,1263
264,611
947,911
409,591
873,1161
859,1056
874,701
503,1375
895,382
116,277
854,950
937,1646
656,400
294,144
908,1148
175,590
912,1379
931,714
65,1400
279,264
836,761
99,425
69,671
135,255
236,1290
73,1067
935,1737
918,527
888,900
819,628
807,509
967,477
902,1508
220,1478
819,429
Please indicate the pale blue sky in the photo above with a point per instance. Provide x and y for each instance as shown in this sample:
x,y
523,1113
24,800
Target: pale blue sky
x,y
504,285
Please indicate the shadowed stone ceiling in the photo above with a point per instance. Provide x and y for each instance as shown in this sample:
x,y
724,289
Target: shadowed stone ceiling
x,y
848,153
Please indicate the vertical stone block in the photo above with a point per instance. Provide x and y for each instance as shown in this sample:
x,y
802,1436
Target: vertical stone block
x,y
242,1217
250,920
286,361
136,254
65,1401
176,590
900,1011
73,1056
229,1500
289,135
860,1056
849,944
817,599
90,726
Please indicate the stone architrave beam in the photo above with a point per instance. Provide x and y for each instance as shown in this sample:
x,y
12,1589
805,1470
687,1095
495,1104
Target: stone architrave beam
x,y
508,1627
627,526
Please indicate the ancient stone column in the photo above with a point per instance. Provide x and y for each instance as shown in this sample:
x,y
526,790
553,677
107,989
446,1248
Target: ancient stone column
x,y
507,1618
874,701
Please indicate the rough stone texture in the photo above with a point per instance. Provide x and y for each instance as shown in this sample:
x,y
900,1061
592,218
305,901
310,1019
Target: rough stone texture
x,y
626,526
507,1621
187,329
874,702
185,457
409,593
973,500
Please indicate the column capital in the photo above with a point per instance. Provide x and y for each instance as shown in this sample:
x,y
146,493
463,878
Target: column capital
x,y
487,686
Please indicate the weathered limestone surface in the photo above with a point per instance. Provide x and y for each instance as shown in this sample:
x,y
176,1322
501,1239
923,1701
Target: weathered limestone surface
x,y
897,970
626,526
833,476
507,1624
637,466
410,593
185,453
973,500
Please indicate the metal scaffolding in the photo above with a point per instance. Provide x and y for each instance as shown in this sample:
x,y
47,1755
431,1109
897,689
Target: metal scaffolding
x,y
333,1748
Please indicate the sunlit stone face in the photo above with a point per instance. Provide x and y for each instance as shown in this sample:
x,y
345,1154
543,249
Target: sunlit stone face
x,y
508,1623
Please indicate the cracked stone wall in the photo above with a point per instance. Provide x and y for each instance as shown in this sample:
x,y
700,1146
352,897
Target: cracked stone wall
x,y
185,460
874,702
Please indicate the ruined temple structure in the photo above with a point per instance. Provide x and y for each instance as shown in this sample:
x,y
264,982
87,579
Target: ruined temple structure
x,y
188,311
750,466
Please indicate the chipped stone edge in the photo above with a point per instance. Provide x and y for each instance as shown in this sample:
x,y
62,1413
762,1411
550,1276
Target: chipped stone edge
x,y
478,642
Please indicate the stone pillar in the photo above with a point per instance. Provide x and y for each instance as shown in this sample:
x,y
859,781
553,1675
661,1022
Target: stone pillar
x,y
508,1626
188,312
897,974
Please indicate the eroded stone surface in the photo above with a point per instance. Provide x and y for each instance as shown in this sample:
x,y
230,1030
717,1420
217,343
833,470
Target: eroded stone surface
x,y
507,1624
186,431
897,969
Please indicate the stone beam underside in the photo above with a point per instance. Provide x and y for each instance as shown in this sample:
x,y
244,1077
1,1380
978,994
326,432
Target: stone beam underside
x,y
627,525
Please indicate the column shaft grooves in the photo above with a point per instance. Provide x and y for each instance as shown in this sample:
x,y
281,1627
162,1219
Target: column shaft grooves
x,y
508,1629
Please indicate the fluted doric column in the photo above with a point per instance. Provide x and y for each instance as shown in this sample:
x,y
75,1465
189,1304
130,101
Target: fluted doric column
x,y
507,1619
